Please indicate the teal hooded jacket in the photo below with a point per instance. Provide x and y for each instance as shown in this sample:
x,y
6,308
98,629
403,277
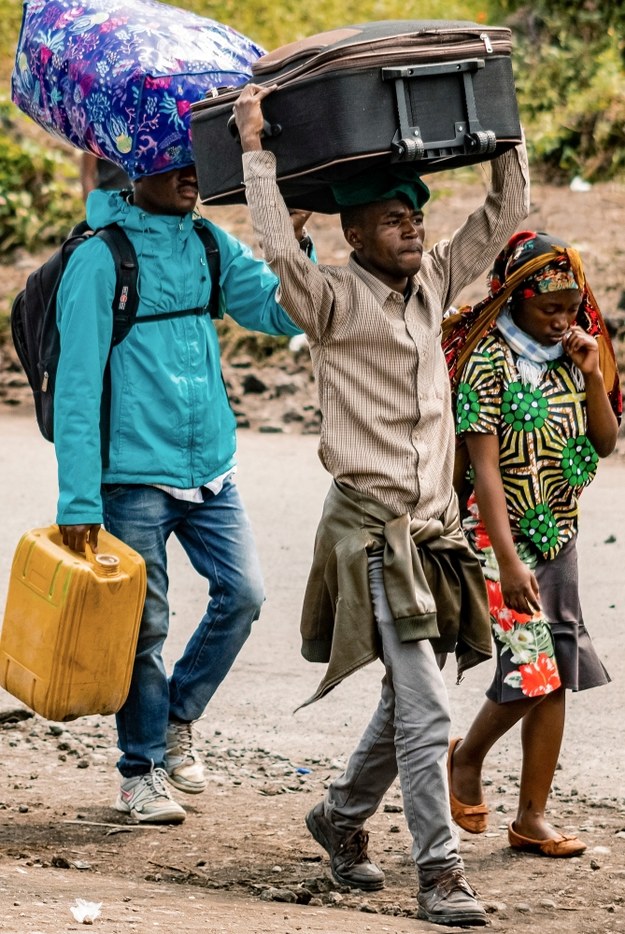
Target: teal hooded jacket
x,y
171,421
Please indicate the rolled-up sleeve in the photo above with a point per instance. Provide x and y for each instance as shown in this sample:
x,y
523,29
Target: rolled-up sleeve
x,y
454,263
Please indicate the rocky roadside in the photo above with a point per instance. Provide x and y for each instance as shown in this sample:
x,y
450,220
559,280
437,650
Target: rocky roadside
x,y
246,836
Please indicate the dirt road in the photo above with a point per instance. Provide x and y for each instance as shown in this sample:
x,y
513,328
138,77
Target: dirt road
x,y
243,862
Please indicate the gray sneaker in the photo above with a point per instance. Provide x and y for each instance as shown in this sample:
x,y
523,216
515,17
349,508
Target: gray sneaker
x,y
147,799
450,900
349,860
182,760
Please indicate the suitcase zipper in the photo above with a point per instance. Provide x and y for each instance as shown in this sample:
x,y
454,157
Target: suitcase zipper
x,y
487,43
373,56
376,58
450,47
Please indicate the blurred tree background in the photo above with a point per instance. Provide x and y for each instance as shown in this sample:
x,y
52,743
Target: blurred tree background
x,y
570,76
569,63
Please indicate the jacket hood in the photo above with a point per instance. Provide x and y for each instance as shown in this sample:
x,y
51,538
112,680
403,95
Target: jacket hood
x,y
110,207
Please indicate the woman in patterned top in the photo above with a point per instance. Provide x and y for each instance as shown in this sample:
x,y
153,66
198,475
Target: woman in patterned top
x,y
537,403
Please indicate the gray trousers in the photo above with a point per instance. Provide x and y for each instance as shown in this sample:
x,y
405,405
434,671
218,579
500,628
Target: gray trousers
x,y
408,734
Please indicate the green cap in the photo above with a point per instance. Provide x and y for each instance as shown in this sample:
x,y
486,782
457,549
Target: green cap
x,y
382,184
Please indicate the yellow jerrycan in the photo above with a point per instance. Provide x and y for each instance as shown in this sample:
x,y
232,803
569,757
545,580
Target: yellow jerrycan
x,y
71,625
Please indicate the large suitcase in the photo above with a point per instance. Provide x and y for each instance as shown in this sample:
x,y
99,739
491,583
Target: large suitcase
x,y
430,94
71,625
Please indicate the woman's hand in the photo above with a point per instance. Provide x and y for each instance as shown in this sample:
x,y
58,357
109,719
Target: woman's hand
x,y
582,349
519,587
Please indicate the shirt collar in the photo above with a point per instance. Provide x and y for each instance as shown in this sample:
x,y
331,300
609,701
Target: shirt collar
x,y
380,290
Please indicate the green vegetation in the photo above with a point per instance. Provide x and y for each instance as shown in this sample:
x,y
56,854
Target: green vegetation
x,y
39,202
569,67
272,23
570,76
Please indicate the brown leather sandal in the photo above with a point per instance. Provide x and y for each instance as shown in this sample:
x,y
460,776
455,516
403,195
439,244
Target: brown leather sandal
x,y
562,847
471,817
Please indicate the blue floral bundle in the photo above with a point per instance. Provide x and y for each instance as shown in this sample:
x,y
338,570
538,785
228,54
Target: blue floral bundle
x,y
118,77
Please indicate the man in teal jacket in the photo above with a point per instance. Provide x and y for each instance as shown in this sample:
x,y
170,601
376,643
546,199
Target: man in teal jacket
x,y
171,460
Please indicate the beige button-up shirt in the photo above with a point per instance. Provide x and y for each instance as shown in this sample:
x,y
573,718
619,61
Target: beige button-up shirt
x,y
387,428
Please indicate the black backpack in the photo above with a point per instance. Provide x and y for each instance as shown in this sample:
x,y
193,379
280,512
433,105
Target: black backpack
x,y
33,316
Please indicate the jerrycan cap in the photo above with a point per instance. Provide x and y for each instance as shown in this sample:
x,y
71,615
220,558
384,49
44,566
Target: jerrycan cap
x,y
106,564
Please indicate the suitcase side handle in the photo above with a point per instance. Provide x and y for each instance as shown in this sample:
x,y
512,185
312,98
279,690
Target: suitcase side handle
x,y
407,144
269,129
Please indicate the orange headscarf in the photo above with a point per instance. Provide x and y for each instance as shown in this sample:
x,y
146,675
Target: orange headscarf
x,y
519,270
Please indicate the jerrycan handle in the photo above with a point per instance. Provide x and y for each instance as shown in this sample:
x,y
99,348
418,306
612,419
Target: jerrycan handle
x,y
107,565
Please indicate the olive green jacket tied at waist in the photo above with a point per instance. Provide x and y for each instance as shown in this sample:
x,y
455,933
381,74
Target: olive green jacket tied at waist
x,y
433,582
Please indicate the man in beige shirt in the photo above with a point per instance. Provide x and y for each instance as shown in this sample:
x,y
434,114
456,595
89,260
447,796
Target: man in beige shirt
x,y
387,438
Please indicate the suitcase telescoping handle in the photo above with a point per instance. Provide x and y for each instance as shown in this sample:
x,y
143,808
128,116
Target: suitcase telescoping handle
x,y
269,129
407,144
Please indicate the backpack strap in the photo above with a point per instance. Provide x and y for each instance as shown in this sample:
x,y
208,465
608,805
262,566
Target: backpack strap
x,y
212,306
125,304
126,298
207,237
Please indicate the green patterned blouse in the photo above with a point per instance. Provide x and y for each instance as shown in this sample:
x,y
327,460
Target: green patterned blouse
x,y
545,457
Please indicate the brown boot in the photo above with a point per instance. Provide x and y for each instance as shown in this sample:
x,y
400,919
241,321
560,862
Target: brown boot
x,y
450,900
349,860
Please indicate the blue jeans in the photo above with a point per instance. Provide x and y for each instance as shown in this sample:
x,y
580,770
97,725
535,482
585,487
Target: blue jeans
x,y
217,537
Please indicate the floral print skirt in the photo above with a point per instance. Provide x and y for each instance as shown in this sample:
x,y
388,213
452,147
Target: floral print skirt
x,y
536,654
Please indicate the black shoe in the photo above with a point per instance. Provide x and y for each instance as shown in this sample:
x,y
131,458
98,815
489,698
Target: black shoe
x,y
450,900
348,852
